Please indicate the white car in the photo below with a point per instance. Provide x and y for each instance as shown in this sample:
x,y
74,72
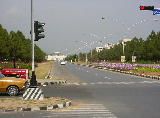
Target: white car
x,y
62,62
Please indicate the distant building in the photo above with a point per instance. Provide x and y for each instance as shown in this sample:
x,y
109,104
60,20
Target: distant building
x,y
98,49
124,40
109,45
56,56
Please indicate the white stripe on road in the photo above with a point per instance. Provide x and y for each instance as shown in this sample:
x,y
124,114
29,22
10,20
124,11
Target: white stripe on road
x,y
85,111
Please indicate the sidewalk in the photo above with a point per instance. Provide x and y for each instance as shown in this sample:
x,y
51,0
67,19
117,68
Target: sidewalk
x,y
58,71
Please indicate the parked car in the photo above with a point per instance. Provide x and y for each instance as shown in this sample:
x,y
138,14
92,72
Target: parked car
x,y
12,85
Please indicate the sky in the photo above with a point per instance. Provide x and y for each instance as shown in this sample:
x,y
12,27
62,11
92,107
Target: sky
x,y
73,26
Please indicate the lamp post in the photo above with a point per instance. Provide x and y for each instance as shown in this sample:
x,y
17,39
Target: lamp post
x,y
116,21
88,45
142,21
123,47
91,57
86,59
128,29
122,57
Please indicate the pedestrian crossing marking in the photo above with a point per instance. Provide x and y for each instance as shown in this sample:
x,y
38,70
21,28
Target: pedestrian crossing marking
x,y
83,111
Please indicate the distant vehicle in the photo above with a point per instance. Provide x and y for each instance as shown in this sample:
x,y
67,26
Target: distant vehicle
x,y
12,85
19,73
62,62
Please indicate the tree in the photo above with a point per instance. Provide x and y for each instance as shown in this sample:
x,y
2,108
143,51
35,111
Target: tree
x,y
4,41
15,47
144,50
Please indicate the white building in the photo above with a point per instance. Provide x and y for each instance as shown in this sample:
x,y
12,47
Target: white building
x,y
124,40
109,45
98,49
56,56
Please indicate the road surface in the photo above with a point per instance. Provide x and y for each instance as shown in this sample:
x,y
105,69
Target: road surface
x,y
100,94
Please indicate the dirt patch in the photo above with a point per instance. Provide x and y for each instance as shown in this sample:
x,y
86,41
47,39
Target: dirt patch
x,y
17,103
42,70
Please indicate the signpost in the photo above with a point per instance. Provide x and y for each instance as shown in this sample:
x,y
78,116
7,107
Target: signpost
x,y
122,58
156,12
133,58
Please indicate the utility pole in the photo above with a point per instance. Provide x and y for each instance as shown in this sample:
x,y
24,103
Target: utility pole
x,y
123,47
86,58
91,56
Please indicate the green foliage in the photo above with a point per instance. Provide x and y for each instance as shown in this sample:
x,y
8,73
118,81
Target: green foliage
x,y
147,69
15,47
6,65
26,66
146,51
10,65
72,57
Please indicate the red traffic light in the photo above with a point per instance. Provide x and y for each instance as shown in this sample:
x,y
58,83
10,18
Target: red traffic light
x,y
142,7
146,7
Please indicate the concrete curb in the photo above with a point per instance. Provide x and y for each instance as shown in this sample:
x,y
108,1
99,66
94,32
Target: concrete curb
x,y
129,73
51,83
57,106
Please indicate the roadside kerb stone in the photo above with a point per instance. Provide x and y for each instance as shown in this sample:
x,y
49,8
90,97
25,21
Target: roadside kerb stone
x,y
57,106
43,82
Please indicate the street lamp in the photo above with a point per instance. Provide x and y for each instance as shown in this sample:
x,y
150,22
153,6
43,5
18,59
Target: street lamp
x,y
129,28
116,21
122,57
142,21
123,47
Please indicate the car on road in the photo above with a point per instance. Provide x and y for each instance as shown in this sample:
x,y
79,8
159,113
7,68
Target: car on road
x,y
62,62
12,85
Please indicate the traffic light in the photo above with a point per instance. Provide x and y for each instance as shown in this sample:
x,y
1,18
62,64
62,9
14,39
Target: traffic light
x,y
146,8
38,28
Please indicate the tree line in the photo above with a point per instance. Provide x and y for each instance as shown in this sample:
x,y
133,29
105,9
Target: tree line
x,y
15,47
144,50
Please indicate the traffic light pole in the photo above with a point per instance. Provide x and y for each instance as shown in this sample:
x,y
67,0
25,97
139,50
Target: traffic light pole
x,y
33,92
33,82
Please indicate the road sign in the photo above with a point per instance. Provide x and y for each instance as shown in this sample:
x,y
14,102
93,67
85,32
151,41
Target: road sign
x,y
122,58
156,12
133,58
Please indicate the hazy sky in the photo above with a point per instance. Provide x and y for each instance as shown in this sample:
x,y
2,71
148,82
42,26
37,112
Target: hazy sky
x,y
67,20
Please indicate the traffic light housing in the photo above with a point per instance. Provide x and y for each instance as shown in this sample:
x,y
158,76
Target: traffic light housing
x,y
146,8
38,28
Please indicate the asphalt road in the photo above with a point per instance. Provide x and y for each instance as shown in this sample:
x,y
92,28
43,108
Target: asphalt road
x,y
100,94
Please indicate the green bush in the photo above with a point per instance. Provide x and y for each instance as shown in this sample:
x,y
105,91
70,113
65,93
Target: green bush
x,y
147,69
10,65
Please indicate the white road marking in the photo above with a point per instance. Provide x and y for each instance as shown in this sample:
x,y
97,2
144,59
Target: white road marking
x,y
123,83
84,111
